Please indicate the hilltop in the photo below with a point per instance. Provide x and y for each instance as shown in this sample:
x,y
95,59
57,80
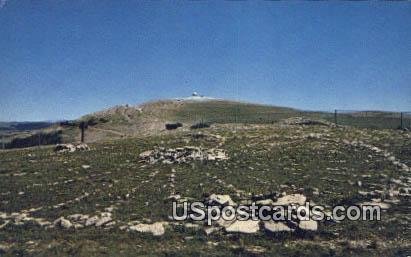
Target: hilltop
x,y
150,118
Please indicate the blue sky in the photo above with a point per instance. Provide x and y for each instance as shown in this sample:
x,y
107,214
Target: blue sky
x,y
61,59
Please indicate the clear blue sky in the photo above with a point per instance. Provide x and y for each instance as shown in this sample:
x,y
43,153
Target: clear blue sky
x,y
60,59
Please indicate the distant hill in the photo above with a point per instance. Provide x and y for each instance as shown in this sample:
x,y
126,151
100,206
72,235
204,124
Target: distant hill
x,y
150,118
24,126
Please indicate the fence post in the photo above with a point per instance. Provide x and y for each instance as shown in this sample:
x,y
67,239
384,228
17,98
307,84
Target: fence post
x,y
82,125
402,122
39,138
335,117
2,142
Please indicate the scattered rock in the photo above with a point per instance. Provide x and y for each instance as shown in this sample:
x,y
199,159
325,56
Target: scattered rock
x,y
222,200
302,121
291,199
61,148
246,226
211,230
157,229
103,221
382,205
62,222
255,249
311,225
82,147
191,226
274,227
182,155
91,221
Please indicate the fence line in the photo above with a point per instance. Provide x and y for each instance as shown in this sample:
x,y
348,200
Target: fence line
x,y
355,118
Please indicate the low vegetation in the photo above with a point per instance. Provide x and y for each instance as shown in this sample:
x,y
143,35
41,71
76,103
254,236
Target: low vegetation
x,y
41,190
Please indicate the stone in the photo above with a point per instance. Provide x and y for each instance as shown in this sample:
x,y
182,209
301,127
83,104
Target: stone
x,y
157,229
211,230
182,155
91,221
103,221
191,225
221,200
82,147
224,223
274,227
291,199
311,225
382,205
255,249
4,224
145,154
246,226
62,222
61,148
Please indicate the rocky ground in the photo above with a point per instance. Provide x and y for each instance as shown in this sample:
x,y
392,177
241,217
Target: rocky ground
x,y
114,198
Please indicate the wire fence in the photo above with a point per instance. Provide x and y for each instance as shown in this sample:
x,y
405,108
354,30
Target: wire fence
x,y
374,119
354,118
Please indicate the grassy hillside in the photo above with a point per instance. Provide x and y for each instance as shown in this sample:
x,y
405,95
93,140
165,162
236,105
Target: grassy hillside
x,y
317,161
150,118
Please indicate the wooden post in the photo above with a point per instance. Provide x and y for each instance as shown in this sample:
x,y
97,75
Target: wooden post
x,y
335,117
82,125
402,122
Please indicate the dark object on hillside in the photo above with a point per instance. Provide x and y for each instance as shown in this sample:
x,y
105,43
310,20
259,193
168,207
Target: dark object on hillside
x,y
68,123
171,126
83,125
200,125
403,129
36,139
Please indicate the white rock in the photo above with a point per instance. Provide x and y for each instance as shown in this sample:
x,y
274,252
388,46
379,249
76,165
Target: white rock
x,y
221,200
382,205
91,221
103,221
191,225
308,225
246,226
157,229
211,230
274,227
62,222
61,148
82,147
145,154
291,199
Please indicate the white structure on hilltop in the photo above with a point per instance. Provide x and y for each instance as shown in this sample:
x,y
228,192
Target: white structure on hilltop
x,y
196,97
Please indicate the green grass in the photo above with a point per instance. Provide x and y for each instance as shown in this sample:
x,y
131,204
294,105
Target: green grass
x,y
262,160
